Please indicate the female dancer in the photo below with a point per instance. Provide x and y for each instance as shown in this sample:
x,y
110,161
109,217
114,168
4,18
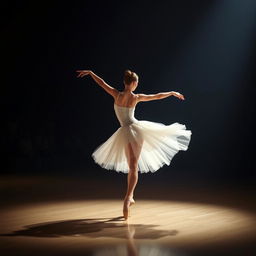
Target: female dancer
x,y
138,145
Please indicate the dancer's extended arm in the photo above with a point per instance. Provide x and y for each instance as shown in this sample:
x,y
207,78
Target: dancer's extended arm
x,y
159,96
109,89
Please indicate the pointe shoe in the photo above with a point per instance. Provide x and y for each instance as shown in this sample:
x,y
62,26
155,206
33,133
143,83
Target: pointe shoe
x,y
126,208
132,201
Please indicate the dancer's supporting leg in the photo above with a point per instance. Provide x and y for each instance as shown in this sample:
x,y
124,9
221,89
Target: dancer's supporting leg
x,y
132,154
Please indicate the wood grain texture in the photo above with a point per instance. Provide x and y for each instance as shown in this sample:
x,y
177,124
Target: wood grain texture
x,y
65,225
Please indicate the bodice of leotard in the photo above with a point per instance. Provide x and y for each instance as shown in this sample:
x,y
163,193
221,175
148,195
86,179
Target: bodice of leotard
x,y
125,115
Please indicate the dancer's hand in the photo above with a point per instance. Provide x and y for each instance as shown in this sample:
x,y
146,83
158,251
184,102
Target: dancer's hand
x,y
178,95
83,73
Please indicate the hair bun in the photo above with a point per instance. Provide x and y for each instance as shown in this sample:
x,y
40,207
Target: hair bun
x,y
130,76
128,72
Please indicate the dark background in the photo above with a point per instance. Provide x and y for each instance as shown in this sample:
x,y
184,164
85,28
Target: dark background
x,y
205,50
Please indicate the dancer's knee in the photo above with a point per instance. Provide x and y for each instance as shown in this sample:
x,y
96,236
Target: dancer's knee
x,y
133,170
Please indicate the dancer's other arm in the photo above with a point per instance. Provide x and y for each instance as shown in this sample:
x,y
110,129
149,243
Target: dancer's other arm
x,y
159,96
109,89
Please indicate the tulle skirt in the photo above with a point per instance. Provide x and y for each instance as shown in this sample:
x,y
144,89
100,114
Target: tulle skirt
x,y
153,144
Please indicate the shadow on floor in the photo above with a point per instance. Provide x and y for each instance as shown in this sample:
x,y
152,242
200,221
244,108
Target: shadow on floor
x,y
93,228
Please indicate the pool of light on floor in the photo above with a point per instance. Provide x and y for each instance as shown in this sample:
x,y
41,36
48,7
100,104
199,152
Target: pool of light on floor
x,y
87,224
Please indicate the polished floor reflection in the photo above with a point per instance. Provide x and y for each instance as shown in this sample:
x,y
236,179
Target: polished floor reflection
x,y
94,226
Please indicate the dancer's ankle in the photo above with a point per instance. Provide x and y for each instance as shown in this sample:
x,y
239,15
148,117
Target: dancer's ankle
x,y
129,197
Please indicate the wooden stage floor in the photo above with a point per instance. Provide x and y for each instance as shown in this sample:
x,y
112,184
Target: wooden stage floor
x,y
43,215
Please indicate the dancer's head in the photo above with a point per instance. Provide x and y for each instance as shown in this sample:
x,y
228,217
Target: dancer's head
x,y
131,80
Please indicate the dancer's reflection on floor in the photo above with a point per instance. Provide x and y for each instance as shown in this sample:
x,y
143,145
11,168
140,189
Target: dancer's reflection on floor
x,y
132,247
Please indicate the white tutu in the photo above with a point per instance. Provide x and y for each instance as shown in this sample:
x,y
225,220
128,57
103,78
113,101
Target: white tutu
x,y
155,144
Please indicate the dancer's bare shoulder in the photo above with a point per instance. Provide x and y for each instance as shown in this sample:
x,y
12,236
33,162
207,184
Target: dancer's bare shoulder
x,y
124,99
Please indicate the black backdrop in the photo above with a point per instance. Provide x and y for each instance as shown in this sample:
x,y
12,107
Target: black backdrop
x,y
53,121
